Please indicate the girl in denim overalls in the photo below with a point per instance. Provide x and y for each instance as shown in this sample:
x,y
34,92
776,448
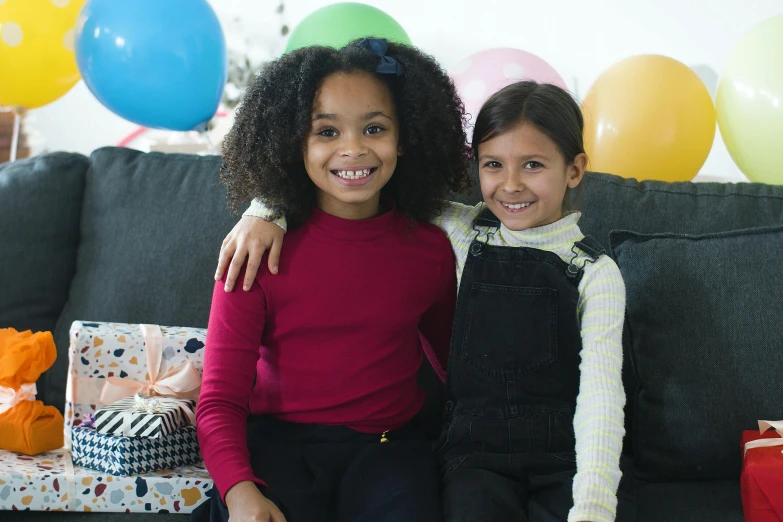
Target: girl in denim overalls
x,y
534,411
534,394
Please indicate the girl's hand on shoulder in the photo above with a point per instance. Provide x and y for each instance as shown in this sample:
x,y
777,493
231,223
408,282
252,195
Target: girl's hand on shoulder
x,y
249,239
247,504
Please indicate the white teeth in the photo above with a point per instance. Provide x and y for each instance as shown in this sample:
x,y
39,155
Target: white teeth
x,y
353,174
516,206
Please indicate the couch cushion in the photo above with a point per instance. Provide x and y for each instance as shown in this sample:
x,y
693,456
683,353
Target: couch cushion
x,y
152,226
652,207
703,321
611,202
40,208
708,501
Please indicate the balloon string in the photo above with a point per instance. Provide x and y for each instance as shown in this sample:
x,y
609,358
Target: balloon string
x,y
15,135
132,136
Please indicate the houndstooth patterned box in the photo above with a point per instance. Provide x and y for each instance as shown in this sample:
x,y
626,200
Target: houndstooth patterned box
x,y
134,455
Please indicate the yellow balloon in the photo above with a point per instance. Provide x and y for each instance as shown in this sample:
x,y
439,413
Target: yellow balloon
x,y
750,103
37,62
649,117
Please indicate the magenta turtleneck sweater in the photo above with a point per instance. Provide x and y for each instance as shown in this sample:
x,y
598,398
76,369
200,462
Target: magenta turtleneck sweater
x,y
332,339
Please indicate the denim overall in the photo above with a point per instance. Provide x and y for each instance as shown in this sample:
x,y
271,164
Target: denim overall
x,y
508,450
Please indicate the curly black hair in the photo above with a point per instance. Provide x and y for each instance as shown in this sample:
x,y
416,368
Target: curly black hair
x,y
263,152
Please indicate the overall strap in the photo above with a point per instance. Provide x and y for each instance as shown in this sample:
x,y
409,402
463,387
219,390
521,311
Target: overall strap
x,y
486,219
589,246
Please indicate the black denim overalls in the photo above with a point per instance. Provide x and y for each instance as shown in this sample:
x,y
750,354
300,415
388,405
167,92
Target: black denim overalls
x,y
507,450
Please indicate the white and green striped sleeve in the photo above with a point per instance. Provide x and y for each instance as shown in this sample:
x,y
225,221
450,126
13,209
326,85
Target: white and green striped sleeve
x,y
599,419
456,220
258,209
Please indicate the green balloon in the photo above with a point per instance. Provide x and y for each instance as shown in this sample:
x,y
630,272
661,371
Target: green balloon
x,y
749,103
337,24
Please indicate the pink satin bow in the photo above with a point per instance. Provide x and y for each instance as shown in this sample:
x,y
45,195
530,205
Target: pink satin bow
x,y
10,397
183,381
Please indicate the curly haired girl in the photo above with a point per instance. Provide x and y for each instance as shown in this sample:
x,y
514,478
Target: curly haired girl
x,y
310,377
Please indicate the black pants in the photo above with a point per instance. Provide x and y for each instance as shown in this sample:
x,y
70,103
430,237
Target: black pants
x,y
325,473
482,487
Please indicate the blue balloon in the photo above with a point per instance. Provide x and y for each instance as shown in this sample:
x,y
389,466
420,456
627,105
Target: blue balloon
x,y
158,63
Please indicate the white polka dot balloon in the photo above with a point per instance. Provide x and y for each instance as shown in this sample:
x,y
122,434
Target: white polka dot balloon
x,y
480,75
37,56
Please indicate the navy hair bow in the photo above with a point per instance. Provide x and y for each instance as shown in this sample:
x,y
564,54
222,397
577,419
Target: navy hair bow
x,y
387,65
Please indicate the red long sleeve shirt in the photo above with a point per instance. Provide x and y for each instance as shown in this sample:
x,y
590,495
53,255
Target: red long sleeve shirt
x,y
332,339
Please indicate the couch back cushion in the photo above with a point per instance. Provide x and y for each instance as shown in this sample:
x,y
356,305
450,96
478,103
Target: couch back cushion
x,y
40,208
705,346
654,207
611,203
152,225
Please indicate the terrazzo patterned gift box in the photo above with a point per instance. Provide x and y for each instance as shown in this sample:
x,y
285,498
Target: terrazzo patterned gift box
x,y
102,352
49,482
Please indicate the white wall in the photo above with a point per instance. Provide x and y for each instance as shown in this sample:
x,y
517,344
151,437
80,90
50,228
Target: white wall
x,y
578,38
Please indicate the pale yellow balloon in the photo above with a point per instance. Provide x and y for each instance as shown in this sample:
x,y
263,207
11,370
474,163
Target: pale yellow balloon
x,y
750,103
649,117
37,61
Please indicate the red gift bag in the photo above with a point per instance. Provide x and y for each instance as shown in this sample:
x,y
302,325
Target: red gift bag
x,y
761,481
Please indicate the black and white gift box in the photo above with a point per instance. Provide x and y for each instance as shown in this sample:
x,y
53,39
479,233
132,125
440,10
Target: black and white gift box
x,y
134,455
149,417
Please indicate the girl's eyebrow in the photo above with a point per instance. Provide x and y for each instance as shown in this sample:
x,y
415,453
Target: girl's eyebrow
x,y
533,156
526,157
367,116
371,115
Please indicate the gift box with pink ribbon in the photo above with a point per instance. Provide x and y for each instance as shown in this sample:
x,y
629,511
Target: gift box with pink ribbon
x,y
109,362
761,479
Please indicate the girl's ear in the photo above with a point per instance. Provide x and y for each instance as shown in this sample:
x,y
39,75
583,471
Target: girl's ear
x,y
399,150
576,170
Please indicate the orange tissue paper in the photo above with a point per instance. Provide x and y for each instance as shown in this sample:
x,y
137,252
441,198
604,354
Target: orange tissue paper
x,y
26,425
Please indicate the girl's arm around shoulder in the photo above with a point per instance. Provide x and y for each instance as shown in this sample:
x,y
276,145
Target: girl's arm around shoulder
x,y
456,220
246,244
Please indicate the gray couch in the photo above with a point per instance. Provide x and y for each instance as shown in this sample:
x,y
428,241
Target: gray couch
x,y
131,237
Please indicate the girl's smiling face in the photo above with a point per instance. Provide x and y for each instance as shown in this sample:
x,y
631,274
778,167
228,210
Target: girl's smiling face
x,y
524,177
351,151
